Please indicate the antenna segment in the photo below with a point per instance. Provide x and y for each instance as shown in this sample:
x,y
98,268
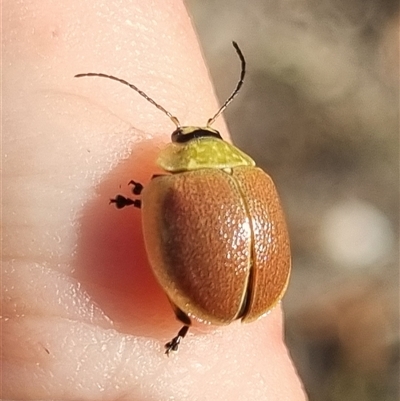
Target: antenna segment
x,y
159,107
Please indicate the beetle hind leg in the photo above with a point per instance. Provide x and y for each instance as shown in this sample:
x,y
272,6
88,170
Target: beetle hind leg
x,y
173,345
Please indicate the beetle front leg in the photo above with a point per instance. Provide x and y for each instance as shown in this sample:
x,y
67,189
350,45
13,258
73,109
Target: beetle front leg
x,y
137,187
120,202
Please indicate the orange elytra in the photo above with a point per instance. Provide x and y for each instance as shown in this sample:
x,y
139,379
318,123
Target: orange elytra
x,y
213,226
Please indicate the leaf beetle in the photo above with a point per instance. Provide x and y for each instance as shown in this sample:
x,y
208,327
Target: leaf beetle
x,y
214,229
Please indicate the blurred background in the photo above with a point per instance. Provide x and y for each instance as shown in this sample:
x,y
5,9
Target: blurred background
x,y
319,111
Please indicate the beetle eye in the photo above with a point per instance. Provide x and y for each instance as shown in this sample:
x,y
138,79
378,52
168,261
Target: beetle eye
x,y
186,134
175,135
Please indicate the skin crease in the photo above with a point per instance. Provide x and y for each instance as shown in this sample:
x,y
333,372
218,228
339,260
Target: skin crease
x,y
83,317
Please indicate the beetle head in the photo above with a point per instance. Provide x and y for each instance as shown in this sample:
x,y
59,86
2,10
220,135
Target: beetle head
x,y
186,134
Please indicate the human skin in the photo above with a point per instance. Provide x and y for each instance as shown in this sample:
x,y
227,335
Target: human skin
x,y
82,316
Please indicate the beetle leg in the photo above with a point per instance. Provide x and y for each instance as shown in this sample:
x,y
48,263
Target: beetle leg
x,y
185,319
137,187
174,343
120,202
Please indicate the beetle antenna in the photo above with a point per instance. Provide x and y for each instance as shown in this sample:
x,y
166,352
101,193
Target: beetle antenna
x,y
238,86
135,88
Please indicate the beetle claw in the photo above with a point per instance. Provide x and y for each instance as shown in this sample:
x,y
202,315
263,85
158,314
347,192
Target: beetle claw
x,y
173,345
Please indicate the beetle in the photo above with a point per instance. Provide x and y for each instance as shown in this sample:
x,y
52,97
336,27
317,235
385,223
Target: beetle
x,y
213,226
